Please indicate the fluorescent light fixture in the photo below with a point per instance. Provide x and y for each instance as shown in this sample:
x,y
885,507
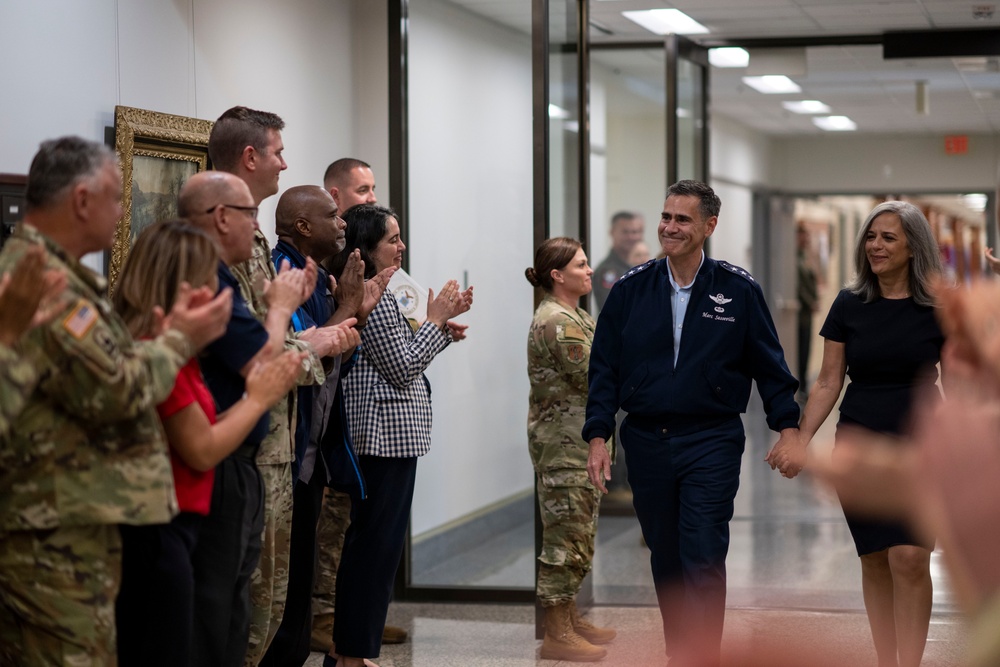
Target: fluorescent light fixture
x,y
976,202
772,84
666,22
729,56
806,106
835,123
557,112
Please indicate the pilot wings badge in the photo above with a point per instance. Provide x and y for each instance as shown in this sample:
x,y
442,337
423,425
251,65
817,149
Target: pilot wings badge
x,y
721,300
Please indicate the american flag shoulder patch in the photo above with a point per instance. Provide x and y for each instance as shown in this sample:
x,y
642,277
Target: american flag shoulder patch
x,y
81,319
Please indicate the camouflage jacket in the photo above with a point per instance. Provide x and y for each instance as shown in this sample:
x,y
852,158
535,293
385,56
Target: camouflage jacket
x,y
87,447
17,379
558,356
277,446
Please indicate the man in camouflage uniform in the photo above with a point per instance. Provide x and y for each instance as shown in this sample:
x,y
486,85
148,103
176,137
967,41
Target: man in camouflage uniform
x,y
247,143
558,354
25,291
86,451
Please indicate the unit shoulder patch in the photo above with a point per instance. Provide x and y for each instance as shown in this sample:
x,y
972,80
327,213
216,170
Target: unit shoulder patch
x,y
741,272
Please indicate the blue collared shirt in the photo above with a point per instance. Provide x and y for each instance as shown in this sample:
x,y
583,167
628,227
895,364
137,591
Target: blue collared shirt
x,y
680,297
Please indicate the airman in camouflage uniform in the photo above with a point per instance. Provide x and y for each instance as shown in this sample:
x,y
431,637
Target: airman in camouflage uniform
x,y
269,583
558,356
86,452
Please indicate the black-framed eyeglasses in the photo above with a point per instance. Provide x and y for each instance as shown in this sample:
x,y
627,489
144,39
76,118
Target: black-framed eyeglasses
x,y
252,210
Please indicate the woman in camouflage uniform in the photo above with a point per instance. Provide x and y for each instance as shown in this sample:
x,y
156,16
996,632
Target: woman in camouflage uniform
x,y
558,355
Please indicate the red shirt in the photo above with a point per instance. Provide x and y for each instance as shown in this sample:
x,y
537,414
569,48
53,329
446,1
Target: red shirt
x,y
193,488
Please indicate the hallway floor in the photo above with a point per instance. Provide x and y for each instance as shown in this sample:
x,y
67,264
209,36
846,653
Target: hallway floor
x,y
476,635
794,589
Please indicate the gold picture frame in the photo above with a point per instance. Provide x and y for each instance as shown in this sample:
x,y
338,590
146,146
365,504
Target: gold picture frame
x,y
157,152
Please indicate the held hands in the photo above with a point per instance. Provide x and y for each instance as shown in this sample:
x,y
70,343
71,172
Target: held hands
x,y
268,382
788,455
29,296
291,288
599,464
449,303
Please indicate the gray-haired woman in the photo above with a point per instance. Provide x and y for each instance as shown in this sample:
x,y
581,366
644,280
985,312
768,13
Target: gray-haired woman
x,y
882,331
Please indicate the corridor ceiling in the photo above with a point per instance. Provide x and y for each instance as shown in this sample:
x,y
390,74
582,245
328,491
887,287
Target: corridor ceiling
x,y
853,80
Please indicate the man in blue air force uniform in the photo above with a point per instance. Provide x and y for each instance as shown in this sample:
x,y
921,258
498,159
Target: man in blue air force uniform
x,y
677,345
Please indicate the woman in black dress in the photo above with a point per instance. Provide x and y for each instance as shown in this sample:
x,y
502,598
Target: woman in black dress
x,y
882,332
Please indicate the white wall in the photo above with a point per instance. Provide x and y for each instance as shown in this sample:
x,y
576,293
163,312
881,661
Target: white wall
x,y
470,211
68,63
739,163
844,163
636,163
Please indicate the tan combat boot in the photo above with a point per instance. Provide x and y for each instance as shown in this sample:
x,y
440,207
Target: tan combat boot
x,y
561,641
588,630
394,635
321,637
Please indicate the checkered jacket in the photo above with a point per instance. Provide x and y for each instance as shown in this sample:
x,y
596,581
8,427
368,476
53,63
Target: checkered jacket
x,y
388,397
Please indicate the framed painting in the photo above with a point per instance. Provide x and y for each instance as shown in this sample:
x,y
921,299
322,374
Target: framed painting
x,y
157,152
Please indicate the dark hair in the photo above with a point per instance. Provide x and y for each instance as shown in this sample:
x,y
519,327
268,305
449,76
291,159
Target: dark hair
x,y
164,255
552,254
236,129
340,168
366,226
60,164
709,203
925,260
623,215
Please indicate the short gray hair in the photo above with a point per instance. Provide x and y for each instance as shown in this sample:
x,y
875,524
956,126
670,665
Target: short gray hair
x,y
60,164
925,262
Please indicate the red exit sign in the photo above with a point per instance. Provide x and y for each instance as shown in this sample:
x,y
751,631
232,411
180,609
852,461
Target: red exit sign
x,y
956,144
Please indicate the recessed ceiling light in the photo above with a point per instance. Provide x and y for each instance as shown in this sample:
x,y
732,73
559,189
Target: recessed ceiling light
x,y
729,56
772,84
666,22
806,106
835,123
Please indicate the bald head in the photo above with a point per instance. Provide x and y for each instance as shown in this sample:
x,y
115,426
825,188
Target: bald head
x,y
307,217
221,204
207,189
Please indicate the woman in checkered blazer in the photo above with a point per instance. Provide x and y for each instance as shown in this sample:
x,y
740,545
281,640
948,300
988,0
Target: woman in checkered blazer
x,y
389,415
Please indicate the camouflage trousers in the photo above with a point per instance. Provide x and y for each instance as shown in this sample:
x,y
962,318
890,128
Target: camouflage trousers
x,y
57,596
334,518
569,506
269,583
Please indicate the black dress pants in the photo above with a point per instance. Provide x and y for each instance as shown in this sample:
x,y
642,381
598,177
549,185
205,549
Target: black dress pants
x,y
372,550
227,553
154,612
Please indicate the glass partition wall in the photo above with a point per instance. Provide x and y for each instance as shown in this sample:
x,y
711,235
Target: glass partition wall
x,y
499,115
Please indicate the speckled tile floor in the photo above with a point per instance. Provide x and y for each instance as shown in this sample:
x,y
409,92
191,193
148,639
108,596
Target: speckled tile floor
x,y
476,635
794,590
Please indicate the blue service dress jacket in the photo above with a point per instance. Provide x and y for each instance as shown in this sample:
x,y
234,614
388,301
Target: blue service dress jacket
x,y
728,341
